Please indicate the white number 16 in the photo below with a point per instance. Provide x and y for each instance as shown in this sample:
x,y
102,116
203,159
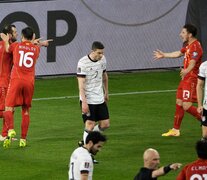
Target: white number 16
x,y
25,59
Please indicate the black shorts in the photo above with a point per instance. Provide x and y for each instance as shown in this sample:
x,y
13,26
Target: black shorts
x,y
98,112
204,118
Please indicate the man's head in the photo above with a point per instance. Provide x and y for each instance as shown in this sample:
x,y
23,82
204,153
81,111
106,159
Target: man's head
x,y
12,31
201,149
97,51
28,34
95,141
188,32
151,158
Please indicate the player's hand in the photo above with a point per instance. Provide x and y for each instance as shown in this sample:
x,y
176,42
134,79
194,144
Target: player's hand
x,y
175,166
183,73
45,42
200,109
106,97
4,37
85,108
158,54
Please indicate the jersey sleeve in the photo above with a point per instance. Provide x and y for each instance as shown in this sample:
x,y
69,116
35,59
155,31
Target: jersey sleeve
x,y
12,46
85,165
182,174
81,69
194,53
202,68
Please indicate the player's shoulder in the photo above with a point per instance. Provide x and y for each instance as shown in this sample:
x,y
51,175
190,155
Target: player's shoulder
x,y
203,64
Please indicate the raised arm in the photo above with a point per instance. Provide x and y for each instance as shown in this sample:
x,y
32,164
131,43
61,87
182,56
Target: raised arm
x,y
164,170
5,38
158,54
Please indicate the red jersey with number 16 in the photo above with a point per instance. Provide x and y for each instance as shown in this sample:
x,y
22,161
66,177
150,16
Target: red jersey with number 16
x,y
25,55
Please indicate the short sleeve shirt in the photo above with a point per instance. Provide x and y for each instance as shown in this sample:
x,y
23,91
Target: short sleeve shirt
x,y
92,71
192,51
144,174
80,161
196,170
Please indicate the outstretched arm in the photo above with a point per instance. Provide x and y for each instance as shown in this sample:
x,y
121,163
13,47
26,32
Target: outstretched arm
x,y
158,54
164,170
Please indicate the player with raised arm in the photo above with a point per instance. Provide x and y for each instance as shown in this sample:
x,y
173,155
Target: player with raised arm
x,y
5,71
186,91
21,87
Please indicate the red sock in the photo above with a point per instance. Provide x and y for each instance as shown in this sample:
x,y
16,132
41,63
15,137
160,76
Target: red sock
x,y
5,129
9,119
25,125
193,111
179,114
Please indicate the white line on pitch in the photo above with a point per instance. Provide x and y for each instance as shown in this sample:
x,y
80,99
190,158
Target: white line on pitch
x,y
113,94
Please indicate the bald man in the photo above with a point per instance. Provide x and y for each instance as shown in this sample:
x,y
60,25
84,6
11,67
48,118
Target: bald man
x,y
150,171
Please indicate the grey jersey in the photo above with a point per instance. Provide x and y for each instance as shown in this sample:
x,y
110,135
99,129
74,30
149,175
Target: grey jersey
x,y
80,160
93,72
203,74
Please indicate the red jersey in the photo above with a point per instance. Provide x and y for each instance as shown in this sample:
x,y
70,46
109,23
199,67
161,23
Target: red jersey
x,y
5,65
196,170
192,51
25,55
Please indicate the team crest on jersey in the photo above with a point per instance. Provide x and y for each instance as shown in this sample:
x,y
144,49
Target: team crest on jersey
x,y
195,54
86,164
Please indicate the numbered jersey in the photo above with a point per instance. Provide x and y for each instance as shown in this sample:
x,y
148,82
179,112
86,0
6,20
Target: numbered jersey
x,y
196,170
25,55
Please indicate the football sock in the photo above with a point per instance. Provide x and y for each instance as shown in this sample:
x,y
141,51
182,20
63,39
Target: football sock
x,y
4,128
85,134
9,119
25,125
193,111
179,114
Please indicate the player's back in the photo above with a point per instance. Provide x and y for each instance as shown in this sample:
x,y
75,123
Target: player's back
x,y
25,55
197,170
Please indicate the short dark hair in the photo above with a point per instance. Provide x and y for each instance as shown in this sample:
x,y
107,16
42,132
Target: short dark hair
x,y
97,45
95,137
201,148
191,29
28,33
8,29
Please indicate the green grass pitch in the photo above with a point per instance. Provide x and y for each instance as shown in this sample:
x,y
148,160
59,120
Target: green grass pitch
x,y
137,122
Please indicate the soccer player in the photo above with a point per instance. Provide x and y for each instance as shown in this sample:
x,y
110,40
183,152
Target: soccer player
x,y
196,170
5,70
202,97
150,171
81,163
21,86
186,92
93,89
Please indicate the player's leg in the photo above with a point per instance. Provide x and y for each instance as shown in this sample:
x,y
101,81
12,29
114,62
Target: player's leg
x,y
204,124
2,108
28,91
24,126
190,97
179,113
102,114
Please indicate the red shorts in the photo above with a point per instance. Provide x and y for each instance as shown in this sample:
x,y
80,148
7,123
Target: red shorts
x,y
19,93
3,91
187,91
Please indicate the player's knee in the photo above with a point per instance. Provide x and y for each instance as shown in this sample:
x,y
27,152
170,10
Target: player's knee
x,y
89,125
186,106
104,125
